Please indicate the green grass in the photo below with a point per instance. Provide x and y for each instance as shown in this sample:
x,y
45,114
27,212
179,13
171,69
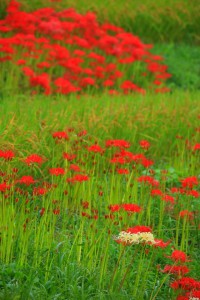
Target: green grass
x,y
68,256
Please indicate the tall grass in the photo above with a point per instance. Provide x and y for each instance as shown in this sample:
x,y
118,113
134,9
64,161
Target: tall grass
x,y
60,244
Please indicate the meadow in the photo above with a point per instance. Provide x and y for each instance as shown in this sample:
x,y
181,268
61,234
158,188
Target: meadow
x,y
99,151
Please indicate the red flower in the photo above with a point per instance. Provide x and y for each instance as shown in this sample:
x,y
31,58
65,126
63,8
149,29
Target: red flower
x,y
75,168
179,270
85,204
60,135
7,155
4,186
189,182
27,180
114,207
196,147
122,171
186,283
117,143
144,144
168,198
95,148
161,244
156,192
138,228
185,213
39,191
78,178
57,171
131,207
179,256
68,156
33,158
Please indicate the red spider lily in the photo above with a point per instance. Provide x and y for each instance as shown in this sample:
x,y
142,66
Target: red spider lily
x,y
56,211
193,193
161,243
39,191
189,182
69,156
148,179
118,160
75,168
168,198
96,149
139,228
60,135
117,143
27,180
178,270
57,171
185,213
82,133
131,207
114,207
122,171
196,147
33,158
178,256
7,154
156,192
85,204
78,178
4,187
147,162
186,283
144,144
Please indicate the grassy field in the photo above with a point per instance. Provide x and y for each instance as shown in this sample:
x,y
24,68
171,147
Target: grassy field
x,y
99,160
57,234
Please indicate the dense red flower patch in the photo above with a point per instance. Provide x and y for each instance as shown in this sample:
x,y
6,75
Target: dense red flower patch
x,y
66,52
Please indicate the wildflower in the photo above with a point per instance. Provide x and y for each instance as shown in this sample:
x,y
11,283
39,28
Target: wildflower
x,y
168,198
187,214
95,148
33,158
117,143
178,270
178,256
57,171
27,180
78,178
4,186
39,191
196,147
7,154
185,283
122,171
144,144
75,168
189,182
69,156
131,207
161,243
114,207
60,135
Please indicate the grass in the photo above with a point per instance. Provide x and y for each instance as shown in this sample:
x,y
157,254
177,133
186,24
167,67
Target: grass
x,y
67,255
